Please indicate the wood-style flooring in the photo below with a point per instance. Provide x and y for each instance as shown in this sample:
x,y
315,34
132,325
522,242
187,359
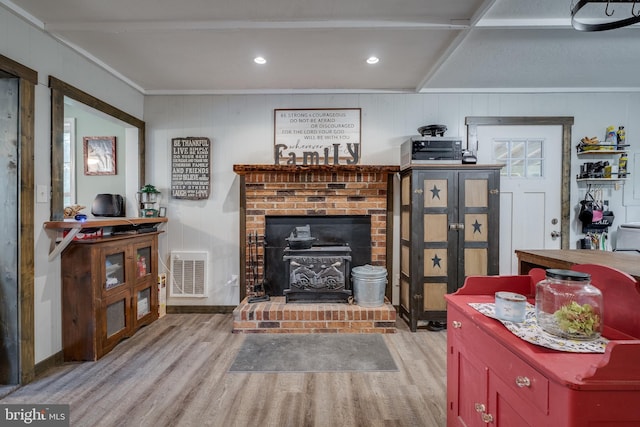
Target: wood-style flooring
x,y
174,372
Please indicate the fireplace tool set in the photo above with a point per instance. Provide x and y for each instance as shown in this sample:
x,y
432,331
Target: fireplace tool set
x,y
256,281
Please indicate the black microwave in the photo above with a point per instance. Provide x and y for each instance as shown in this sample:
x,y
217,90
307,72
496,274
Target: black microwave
x,y
108,205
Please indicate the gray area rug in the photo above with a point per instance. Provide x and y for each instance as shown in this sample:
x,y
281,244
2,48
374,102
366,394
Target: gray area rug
x,y
313,353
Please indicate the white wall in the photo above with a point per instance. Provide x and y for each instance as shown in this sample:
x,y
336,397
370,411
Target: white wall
x,y
32,48
241,130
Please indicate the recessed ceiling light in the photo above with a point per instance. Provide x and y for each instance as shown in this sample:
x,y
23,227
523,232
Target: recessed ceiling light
x,y
373,60
259,60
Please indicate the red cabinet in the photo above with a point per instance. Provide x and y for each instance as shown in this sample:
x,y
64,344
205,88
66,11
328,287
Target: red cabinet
x,y
495,378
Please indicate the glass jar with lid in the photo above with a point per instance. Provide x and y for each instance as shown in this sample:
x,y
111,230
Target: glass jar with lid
x,y
568,305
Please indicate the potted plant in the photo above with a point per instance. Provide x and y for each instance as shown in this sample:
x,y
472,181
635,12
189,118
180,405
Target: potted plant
x,y
148,194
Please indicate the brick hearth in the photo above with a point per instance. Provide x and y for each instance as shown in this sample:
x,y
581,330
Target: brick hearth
x,y
276,316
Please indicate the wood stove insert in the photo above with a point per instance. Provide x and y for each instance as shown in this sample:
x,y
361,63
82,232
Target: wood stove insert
x,y
341,241
318,274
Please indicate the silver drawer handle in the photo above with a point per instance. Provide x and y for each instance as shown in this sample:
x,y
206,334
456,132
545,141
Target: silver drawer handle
x,y
523,382
456,324
487,418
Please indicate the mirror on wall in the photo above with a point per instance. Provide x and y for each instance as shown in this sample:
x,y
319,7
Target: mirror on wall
x,y
77,117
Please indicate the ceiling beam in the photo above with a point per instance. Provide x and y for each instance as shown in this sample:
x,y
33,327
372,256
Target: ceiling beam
x,y
525,23
455,44
144,26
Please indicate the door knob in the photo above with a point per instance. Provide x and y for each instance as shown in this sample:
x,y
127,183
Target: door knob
x,y
555,234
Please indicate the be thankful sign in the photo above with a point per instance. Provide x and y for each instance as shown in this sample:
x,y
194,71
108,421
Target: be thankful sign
x,y
190,168
314,137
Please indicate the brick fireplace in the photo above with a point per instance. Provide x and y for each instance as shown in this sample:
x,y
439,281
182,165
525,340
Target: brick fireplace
x,y
314,190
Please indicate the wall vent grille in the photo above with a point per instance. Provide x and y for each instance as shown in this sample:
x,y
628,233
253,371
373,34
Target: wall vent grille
x,y
189,274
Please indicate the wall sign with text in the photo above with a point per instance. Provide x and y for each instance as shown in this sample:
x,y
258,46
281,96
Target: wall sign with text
x,y
190,168
317,137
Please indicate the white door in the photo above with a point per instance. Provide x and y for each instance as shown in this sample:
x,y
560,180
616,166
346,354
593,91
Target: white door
x,y
530,186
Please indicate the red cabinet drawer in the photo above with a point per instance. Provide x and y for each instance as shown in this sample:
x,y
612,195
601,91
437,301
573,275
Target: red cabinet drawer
x,y
522,379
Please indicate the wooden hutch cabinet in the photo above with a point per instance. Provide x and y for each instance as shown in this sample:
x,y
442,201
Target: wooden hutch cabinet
x,y
496,378
449,230
109,290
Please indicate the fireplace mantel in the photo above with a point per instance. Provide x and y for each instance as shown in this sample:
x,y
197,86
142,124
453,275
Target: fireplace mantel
x,y
246,169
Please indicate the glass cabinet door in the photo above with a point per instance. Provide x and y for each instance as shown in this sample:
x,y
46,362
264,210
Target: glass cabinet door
x,y
116,317
114,267
115,320
143,303
143,261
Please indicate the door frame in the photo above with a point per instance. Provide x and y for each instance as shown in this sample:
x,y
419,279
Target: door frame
x,y
566,122
28,79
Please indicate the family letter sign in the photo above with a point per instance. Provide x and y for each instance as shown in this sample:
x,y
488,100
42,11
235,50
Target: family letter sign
x,y
317,137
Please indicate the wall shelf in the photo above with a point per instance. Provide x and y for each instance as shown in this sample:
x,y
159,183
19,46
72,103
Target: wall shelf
x,y
602,150
612,180
74,227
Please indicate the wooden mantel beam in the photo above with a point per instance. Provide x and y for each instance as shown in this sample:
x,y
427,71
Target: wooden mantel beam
x,y
245,169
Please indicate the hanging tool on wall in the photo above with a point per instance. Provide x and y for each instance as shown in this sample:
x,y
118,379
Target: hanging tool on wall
x,y
257,281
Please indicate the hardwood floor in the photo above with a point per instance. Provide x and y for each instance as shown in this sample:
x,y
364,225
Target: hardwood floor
x,y
174,373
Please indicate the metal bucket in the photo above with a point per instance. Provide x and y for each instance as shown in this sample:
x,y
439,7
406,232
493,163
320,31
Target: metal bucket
x,y
369,283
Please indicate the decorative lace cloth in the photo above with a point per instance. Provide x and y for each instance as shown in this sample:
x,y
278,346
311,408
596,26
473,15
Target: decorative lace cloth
x,y
531,332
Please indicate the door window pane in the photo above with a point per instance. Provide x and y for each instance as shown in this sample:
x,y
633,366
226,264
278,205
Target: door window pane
x,y
522,158
517,168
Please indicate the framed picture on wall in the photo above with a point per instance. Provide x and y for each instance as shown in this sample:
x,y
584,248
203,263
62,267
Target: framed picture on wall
x,y
99,155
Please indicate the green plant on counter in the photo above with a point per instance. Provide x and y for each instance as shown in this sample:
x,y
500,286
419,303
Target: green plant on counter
x,y
576,319
149,189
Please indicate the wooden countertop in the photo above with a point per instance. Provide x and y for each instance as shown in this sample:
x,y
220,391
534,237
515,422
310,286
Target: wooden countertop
x,y
626,261
68,224
73,227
